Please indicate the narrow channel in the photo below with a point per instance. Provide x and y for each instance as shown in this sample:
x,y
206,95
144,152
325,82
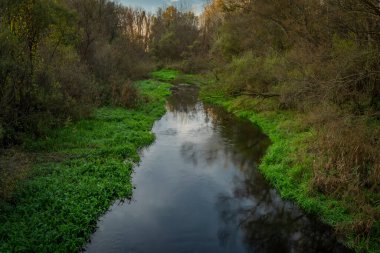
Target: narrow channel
x,y
198,190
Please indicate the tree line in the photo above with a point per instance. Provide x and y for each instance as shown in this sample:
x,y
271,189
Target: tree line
x,y
61,59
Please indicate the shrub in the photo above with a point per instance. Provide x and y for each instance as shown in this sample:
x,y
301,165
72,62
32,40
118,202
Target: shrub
x,y
348,165
250,73
126,95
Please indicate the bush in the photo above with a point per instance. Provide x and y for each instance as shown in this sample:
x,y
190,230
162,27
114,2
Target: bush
x,y
348,165
250,73
61,95
195,64
125,95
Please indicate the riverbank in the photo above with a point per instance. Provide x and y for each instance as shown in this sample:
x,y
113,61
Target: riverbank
x,y
288,163
79,171
82,168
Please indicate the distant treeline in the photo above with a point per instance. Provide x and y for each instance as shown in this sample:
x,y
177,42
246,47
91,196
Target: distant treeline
x,y
60,59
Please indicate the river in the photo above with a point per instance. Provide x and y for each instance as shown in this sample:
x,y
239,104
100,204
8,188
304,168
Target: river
x,y
198,190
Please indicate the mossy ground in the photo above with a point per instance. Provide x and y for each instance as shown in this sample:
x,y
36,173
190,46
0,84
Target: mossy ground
x,y
57,207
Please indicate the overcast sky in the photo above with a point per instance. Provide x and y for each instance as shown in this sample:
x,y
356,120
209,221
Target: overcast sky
x,y
152,5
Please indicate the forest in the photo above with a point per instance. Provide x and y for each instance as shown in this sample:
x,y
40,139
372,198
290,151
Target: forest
x,y
75,74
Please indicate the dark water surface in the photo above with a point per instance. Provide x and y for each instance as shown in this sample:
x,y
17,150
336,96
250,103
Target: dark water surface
x,y
198,190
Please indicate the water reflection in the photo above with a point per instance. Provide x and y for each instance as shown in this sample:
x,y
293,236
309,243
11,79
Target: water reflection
x,y
270,224
198,190
182,104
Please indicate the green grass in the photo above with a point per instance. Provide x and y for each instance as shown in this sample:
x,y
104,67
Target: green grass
x,y
287,164
165,74
57,207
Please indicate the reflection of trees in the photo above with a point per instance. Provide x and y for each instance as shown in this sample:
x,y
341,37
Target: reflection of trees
x,y
247,141
268,223
184,99
233,139
184,105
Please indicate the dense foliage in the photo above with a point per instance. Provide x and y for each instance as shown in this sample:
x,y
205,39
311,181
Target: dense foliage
x,y
59,59
174,34
320,60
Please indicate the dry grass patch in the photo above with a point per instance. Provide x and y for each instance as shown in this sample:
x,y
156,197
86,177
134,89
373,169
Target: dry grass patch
x,y
15,165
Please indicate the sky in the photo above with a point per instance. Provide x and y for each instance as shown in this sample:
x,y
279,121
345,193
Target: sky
x,y
152,5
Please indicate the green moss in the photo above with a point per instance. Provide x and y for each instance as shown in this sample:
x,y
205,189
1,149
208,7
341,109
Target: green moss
x,y
287,164
57,208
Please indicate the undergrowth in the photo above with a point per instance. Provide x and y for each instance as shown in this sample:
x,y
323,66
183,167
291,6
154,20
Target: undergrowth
x,y
56,208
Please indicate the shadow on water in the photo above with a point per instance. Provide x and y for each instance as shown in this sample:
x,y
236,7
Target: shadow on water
x,y
198,190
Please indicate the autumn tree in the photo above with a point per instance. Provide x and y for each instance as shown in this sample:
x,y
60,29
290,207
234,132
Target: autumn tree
x,y
173,33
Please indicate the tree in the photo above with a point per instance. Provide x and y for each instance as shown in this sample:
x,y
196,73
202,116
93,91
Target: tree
x,y
172,33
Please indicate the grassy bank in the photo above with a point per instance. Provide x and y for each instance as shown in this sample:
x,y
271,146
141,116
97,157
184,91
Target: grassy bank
x,y
288,165
82,169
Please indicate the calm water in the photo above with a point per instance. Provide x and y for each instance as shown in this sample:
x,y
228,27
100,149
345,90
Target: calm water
x,y
198,190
